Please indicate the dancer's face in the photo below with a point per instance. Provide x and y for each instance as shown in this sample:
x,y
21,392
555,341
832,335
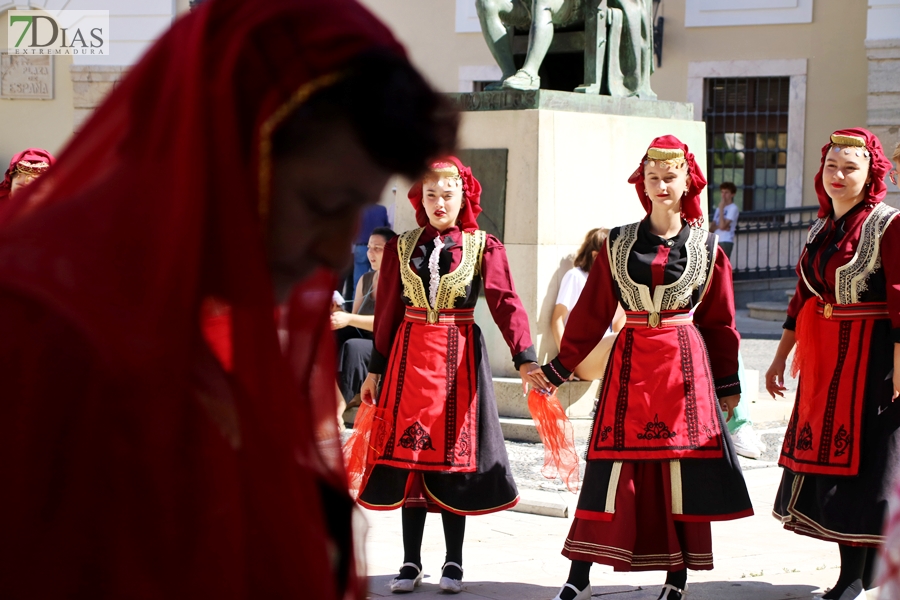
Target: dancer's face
x,y
316,206
665,184
845,174
442,199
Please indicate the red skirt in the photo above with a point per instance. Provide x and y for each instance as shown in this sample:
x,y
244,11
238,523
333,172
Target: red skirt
x,y
825,430
658,400
430,395
642,534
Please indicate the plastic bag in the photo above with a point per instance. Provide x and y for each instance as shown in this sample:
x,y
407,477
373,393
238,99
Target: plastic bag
x,y
558,437
360,451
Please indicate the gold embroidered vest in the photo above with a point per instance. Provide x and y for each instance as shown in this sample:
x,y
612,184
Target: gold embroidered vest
x,y
453,284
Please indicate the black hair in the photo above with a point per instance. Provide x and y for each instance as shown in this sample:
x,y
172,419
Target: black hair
x,y
727,185
386,232
399,119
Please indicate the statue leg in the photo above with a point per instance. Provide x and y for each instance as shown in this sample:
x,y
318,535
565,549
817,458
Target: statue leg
x,y
595,17
496,33
539,38
614,77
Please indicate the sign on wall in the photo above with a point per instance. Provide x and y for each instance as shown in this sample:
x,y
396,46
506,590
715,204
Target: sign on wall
x,y
26,77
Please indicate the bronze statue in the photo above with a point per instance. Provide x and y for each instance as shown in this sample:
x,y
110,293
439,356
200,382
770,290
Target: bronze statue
x,y
618,41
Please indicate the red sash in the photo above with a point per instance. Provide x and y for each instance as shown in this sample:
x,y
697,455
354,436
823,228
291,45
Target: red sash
x,y
823,436
658,400
430,394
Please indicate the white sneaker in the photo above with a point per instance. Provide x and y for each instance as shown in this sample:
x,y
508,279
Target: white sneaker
x,y
584,594
745,442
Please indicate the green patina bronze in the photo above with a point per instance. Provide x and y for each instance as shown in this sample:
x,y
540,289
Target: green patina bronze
x,y
617,39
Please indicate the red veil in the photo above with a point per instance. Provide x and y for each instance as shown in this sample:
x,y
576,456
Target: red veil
x,y
690,204
36,155
157,206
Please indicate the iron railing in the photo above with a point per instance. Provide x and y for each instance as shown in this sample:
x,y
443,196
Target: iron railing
x,y
768,243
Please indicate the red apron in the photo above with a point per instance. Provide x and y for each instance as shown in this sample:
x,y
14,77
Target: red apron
x,y
430,394
823,437
658,400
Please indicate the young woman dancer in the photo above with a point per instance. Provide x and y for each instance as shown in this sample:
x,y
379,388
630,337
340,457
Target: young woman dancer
x,y
442,444
842,441
660,464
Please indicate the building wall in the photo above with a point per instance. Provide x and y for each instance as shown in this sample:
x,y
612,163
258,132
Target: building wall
x,y
80,83
833,45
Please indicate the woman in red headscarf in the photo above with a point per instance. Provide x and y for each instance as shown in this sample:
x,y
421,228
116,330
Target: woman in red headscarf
x,y
24,168
440,444
842,443
158,437
660,463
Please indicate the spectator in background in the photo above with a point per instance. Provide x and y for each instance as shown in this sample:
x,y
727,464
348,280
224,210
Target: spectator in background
x,y
724,221
374,216
570,289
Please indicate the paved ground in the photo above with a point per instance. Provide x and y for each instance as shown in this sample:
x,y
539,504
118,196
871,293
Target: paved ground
x,y
516,556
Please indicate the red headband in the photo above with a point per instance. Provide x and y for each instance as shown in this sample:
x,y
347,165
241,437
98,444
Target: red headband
x,y
690,203
471,196
879,166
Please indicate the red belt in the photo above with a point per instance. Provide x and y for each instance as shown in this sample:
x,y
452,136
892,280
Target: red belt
x,y
652,320
860,310
433,316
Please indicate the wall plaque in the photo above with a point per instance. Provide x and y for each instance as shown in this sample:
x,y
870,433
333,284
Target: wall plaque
x,y
26,77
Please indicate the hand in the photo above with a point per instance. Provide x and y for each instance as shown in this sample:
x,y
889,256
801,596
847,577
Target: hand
x,y
369,390
340,319
775,378
728,404
532,374
896,380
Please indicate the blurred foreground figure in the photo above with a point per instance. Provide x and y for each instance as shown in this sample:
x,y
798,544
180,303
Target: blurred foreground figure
x,y
158,438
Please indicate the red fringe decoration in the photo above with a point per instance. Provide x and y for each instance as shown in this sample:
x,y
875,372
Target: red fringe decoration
x,y
804,361
558,437
360,453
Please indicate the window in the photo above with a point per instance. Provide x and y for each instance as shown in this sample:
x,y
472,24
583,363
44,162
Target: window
x,y
747,139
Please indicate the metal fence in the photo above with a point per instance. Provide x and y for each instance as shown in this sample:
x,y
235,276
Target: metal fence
x,y
768,243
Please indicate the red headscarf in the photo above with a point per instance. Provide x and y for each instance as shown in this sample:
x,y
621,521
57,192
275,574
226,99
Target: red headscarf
x,y
690,203
879,166
155,206
32,155
471,207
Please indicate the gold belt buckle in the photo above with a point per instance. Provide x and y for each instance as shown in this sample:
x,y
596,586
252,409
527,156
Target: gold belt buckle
x,y
433,316
653,319
828,311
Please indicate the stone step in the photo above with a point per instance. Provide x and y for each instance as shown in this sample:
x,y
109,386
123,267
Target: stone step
x,y
767,311
576,397
523,430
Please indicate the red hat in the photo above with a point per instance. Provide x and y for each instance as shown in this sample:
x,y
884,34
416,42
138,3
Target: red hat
x,y
879,165
34,161
471,207
668,147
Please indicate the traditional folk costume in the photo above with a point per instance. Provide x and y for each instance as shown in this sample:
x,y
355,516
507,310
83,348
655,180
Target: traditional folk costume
x,y
842,443
660,463
125,474
441,438
32,162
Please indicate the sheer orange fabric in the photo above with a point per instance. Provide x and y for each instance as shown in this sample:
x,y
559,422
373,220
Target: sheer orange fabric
x,y
360,450
558,437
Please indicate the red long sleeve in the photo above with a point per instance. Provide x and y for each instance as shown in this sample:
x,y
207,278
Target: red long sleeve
x,y
714,318
504,303
591,316
389,307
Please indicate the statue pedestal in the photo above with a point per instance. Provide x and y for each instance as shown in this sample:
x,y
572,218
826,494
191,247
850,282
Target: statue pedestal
x,y
569,159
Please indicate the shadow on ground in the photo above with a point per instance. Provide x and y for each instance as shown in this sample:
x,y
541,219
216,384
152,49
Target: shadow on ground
x,y
500,590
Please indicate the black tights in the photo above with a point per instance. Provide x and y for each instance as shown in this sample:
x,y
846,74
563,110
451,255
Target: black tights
x,y
414,528
580,577
857,566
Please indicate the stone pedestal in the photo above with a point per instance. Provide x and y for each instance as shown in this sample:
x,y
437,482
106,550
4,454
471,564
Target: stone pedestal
x,y
91,84
569,157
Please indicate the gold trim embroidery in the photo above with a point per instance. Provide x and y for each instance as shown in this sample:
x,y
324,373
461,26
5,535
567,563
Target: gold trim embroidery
x,y
851,279
453,284
613,487
267,129
636,296
677,492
